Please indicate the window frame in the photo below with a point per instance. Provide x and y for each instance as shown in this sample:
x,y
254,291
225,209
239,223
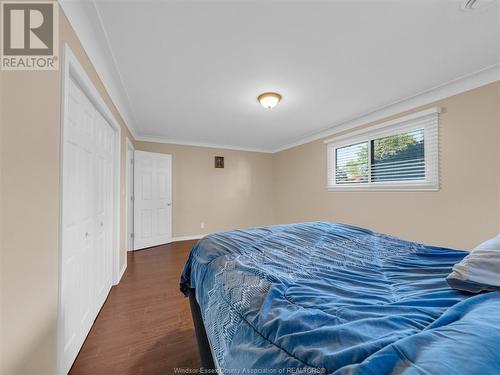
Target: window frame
x,y
428,120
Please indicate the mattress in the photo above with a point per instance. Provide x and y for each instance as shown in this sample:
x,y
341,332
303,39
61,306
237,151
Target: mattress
x,y
330,298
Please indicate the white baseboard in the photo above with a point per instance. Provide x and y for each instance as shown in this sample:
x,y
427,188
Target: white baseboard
x,y
187,238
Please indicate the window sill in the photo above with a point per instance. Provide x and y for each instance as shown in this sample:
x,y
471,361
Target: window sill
x,y
385,187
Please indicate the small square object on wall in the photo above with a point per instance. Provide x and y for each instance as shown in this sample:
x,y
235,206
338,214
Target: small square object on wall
x,y
219,162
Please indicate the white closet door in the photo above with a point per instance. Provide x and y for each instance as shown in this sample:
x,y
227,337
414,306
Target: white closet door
x,y
152,199
86,269
103,228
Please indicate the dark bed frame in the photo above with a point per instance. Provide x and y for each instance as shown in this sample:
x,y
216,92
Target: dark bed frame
x,y
207,361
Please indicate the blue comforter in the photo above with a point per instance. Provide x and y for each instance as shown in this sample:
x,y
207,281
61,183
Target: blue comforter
x,y
330,298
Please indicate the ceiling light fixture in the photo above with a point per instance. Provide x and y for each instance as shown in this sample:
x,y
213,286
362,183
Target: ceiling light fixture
x,y
269,99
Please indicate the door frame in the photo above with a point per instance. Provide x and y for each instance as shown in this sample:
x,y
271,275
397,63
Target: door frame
x,y
72,69
129,186
170,204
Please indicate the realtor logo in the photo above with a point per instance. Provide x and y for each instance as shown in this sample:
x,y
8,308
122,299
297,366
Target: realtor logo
x,y
29,38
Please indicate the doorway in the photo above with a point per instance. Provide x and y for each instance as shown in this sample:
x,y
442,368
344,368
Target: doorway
x,y
90,206
152,199
129,192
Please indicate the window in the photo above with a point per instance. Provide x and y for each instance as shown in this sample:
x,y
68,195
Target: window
x,y
396,155
351,164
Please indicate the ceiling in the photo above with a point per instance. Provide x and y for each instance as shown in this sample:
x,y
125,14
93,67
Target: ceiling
x,y
190,71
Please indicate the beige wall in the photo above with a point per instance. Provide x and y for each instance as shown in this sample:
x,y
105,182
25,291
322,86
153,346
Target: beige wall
x,y
464,212
251,189
237,196
30,212
30,146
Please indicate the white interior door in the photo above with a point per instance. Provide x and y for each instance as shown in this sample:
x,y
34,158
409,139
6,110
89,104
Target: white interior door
x,y
103,241
152,199
87,220
130,196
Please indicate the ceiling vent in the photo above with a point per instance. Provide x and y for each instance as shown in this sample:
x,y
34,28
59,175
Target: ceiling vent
x,y
474,4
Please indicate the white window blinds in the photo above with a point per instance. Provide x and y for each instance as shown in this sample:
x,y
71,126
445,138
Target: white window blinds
x,y
399,154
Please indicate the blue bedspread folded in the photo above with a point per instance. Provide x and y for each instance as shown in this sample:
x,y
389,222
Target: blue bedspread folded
x,y
330,298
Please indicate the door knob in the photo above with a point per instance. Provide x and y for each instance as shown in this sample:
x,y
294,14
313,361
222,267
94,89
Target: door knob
x,y
87,234
102,224
169,204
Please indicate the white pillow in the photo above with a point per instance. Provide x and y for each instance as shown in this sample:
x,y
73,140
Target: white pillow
x,y
491,244
480,270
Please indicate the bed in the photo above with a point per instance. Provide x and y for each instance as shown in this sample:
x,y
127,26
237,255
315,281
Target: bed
x,y
330,298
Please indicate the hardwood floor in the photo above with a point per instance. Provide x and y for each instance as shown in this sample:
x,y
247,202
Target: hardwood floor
x,y
145,326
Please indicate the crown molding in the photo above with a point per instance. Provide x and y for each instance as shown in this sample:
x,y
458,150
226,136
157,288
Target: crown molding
x,y
85,19
87,25
397,121
465,83
172,141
